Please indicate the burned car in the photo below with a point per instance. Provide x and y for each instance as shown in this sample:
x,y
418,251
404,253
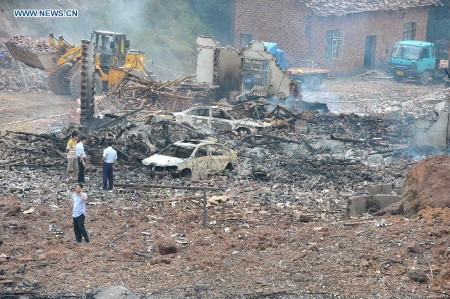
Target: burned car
x,y
192,158
219,119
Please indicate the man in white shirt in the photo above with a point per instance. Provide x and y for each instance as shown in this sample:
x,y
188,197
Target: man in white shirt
x,y
79,199
81,157
109,157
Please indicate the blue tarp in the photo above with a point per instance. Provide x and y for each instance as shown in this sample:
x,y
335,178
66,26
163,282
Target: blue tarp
x,y
272,48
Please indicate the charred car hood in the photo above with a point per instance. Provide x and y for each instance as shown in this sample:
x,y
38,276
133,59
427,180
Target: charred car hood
x,y
162,161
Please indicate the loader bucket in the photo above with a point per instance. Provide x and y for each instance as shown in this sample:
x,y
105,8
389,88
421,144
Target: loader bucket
x,y
43,61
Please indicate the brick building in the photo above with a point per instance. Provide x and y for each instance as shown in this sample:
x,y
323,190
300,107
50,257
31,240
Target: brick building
x,y
345,36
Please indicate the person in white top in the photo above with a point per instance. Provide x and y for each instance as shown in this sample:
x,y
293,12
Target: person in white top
x,y
109,157
79,199
81,157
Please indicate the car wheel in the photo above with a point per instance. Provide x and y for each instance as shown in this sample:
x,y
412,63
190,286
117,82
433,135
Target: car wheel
x,y
424,78
229,168
243,131
186,173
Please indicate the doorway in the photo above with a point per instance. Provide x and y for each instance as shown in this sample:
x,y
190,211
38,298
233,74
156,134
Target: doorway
x,y
369,51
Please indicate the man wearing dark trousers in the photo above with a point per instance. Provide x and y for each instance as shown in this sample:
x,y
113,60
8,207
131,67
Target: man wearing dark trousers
x,y
79,199
109,157
81,158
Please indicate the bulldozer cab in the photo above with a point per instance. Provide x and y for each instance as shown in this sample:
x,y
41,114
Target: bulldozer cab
x,y
110,47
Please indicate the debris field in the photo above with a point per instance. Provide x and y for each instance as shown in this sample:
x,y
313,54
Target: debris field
x,y
277,226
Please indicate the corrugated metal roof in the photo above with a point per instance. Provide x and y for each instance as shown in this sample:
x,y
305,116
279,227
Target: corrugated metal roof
x,y
343,7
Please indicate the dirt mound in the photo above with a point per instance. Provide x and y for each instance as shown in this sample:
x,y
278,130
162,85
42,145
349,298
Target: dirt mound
x,y
426,185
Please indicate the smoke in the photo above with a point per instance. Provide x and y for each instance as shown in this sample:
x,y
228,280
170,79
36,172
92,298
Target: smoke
x,y
164,30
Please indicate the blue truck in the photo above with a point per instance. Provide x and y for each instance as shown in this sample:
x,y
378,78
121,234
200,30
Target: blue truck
x,y
419,60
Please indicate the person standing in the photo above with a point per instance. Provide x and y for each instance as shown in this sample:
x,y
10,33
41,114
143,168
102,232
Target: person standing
x,y
79,199
109,157
81,158
72,165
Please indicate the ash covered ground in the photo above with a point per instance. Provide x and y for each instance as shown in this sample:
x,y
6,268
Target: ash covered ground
x,y
285,236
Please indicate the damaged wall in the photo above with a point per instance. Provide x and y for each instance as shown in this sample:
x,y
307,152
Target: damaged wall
x,y
278,80
228,68
217,65
435,134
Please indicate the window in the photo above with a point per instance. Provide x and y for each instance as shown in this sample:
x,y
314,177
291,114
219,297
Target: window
x,y
217,113
177,151
409,31
201,152
424,53
218,150
200,112
335,43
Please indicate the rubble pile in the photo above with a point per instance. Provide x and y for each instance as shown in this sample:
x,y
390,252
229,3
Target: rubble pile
x,y
136,92
324,169
21,78
32,44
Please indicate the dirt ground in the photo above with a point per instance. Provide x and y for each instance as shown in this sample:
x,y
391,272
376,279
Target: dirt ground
x,y
29,112
153,241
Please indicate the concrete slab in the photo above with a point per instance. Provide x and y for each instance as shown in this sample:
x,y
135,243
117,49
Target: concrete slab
x,y
374,189
386,200
357,205
386,189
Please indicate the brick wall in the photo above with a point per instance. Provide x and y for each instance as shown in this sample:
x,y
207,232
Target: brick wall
x,y
302,34
387,26
280,21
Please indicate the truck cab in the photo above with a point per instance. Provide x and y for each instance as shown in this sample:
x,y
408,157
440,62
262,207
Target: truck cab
x,y
416,59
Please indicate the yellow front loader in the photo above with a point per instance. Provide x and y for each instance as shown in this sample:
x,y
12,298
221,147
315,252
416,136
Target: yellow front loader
x,y
113,60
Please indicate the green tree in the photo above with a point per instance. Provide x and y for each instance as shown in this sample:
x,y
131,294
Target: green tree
x,y
217,15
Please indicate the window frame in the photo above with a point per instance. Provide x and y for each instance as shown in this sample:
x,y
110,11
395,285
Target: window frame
x,y
334,44
409,31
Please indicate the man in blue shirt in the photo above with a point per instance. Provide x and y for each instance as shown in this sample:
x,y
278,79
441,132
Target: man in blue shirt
x,y
109,157
79,199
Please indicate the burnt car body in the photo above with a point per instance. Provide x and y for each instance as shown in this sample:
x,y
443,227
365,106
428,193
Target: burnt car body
x,y
217,118
192,158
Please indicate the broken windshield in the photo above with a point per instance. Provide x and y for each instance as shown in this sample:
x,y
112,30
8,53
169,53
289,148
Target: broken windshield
x,y
177,151
407,52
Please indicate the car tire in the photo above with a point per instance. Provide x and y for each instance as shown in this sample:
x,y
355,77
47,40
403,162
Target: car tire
x,y
186,173
424,78
229,168
57,81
